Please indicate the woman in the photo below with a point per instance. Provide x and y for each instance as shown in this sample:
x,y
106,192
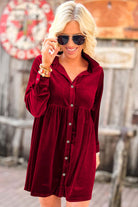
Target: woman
x,y
64,94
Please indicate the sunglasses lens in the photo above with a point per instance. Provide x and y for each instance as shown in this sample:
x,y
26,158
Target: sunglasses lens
x,y
78,39
62,39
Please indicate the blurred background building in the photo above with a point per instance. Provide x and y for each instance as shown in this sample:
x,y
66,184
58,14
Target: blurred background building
x,y
24,24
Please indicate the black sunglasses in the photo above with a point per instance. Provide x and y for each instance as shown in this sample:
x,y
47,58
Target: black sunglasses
x,y
77,39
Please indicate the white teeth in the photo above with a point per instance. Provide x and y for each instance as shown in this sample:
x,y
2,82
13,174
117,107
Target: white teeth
x,y
71,49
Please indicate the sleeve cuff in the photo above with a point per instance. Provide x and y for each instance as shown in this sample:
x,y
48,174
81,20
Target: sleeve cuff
x,y
41,86
40,78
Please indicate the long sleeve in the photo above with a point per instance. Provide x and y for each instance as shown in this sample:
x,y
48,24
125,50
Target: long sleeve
x,y
96,108
37,92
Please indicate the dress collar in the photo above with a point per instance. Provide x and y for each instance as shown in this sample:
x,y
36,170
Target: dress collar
x,y
92,64
91,61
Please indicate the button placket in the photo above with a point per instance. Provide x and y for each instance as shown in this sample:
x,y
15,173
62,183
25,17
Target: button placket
x,y
69,133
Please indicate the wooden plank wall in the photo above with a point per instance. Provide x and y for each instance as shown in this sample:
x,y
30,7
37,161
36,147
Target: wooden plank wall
x,y
120,99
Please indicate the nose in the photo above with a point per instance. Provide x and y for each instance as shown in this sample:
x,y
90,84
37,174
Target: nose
x,y
70,42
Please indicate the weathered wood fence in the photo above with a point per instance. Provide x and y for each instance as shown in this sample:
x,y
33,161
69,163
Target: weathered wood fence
x,y
119,153
120,98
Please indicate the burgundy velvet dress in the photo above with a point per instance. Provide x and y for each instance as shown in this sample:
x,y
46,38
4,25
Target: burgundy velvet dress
x,y
64,141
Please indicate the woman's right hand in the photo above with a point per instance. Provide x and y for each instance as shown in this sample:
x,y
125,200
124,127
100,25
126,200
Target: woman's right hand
x,y
49,44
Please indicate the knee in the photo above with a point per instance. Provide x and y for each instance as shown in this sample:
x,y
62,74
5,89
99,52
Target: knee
x,y
50,201
78,204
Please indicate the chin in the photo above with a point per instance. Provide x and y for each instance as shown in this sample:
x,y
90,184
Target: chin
x,y
75,55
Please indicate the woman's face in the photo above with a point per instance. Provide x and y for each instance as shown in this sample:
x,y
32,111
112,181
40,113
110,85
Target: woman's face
x,y
71,50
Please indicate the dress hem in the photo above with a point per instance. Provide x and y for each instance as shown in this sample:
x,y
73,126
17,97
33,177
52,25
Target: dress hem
x,y
69,200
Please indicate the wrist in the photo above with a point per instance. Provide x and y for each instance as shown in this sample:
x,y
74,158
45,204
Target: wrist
x,y
44,71
48,68
45,65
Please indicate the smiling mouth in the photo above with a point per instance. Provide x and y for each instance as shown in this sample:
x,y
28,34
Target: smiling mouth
x,y
71,50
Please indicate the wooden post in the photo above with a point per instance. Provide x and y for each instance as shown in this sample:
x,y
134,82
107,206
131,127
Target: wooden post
x,y
119,169
16,142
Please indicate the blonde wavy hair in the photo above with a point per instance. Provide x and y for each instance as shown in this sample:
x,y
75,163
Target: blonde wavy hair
x,y
69,11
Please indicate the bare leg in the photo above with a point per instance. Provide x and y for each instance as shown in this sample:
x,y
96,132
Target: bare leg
x,y
50,201
78,204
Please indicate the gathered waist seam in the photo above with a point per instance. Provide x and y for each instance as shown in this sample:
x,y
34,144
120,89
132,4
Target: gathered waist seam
x,y
63,106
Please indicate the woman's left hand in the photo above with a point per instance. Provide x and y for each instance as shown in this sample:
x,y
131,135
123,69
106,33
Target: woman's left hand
x,y
97,159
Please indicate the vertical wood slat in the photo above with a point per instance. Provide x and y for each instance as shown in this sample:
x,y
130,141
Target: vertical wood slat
x,y
133,105
136,79
16,89
129,98
119,93
123,112
4,81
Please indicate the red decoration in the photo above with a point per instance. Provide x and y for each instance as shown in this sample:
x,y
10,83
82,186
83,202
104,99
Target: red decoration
x,y
23,26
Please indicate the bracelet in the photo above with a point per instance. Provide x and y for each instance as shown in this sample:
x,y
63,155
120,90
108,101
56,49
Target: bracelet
x,y
45,68
44,73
